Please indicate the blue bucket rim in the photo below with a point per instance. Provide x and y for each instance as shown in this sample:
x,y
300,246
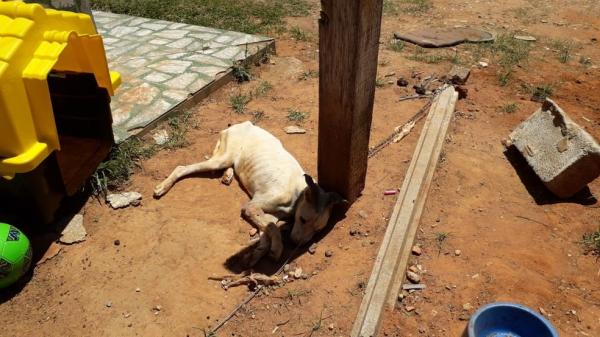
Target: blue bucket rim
x,y
471,327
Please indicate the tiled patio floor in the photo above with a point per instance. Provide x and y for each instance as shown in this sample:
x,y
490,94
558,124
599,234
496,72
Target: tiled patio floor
x,y
162,63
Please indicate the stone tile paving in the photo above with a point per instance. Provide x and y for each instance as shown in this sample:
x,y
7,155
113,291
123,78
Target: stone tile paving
x,y
162,63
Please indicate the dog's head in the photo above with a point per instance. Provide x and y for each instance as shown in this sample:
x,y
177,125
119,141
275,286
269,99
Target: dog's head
x,y
313,211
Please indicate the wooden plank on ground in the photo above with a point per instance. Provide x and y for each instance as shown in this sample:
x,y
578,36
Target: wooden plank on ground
x,y
348,50
390,264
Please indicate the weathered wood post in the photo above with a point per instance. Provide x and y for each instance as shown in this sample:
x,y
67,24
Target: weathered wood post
x,y
348,49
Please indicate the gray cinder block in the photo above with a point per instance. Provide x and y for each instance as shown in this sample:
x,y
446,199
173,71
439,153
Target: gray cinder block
x,y
562,154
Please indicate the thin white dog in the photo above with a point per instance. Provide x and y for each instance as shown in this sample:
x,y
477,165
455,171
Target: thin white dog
x,y
277,184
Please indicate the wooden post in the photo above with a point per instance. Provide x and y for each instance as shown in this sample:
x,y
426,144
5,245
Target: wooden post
x,y
348,49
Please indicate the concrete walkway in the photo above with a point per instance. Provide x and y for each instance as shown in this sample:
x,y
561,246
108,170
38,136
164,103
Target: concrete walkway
x,y
164,63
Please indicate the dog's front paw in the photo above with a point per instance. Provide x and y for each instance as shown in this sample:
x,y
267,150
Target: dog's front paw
x,y
160,190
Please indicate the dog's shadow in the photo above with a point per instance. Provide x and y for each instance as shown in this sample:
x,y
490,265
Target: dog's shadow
x,y
236,263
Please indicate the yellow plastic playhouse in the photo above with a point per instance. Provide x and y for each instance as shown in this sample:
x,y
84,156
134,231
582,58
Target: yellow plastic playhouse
x,y
55,120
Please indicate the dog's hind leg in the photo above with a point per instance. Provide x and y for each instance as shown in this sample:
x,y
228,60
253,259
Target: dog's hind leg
x,y
227,176
221,159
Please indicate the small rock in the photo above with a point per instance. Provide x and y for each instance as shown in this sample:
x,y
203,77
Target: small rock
x,y
363,214
420,90
252,231
402,82
457,252
464,317
413,286
51,252
117,242
413,277
157,307
409,308
414,269
543,312
137,290
286,268
331,326
108,304
74,231
127,315
298,273
390,74
304,276
125,199
160,137
312,249
483,64
293,129
459,75
328,253
525,38
467,307
354,232
416,250
129,325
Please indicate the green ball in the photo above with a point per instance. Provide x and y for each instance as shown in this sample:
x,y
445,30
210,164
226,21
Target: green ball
x,y
15,254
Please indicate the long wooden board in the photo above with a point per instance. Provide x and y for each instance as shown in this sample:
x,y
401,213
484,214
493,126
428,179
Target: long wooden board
x,y
388,271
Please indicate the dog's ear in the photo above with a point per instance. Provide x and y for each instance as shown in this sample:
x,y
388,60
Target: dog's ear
x,y
334,198
312,193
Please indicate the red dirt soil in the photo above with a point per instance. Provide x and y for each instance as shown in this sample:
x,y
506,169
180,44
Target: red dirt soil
x,y
517,243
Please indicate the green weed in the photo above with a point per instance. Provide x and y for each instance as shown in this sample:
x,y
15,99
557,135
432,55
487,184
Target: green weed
x,y
295,115
591,242
397,45
510,108
248,16
308,74
299,34
238,102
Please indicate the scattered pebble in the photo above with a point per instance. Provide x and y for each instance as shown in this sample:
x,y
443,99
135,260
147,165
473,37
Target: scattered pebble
x,y
414,269
467,307
160,137
293,129
298,273
543,312
312,249
331,326
409,308
51,252
137,290
483,64
122,200
286,268
252,231
328,253
117,242
402,82
413,277
417,250
157,308
304,276
525,38
108,304
457,252
74,231
363,214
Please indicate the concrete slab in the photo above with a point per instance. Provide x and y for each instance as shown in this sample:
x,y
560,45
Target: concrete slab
x,y
165,63
562,154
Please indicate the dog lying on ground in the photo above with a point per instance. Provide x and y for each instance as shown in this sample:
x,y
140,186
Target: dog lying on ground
x,y
280,190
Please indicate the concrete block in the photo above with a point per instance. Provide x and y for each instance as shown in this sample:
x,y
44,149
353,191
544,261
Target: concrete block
x,y
459,75
562,154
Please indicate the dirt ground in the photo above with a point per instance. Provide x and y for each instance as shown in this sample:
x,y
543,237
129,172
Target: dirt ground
x,y
517,243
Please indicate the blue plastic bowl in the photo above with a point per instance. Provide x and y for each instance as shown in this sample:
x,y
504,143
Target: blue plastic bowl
x,y
509,320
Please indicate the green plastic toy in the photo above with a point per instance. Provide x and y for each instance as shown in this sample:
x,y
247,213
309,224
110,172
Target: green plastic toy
x,y
15,254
